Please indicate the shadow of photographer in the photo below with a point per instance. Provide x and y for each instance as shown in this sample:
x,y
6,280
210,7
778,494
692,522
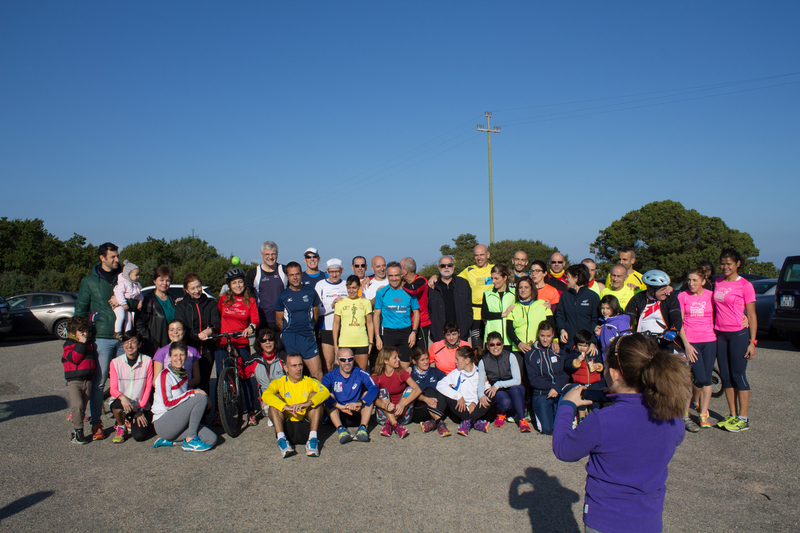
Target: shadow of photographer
x,y
548,503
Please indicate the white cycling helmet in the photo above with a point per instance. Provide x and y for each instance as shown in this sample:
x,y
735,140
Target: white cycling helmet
x,y
655,278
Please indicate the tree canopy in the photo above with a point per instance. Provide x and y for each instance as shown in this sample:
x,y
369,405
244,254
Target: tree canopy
x,y
669,237
500,252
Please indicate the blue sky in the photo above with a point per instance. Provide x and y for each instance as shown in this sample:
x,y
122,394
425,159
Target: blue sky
x,y
351,126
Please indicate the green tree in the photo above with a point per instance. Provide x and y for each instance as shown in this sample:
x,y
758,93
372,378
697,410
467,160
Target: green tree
x,y
500,252
671,238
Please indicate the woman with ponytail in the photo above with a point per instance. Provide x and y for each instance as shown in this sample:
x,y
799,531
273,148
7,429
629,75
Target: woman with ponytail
x,y
630,443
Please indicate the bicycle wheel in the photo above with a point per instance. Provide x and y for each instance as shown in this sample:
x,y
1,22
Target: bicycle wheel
x,y
229,402
716,383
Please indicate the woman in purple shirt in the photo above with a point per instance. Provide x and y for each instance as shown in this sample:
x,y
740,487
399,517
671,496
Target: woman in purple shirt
x,y
630,443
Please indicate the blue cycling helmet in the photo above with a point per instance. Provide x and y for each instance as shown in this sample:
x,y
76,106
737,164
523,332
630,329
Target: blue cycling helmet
x,y
655,279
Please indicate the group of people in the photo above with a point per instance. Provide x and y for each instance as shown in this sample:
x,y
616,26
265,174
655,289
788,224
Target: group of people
x,y
480,347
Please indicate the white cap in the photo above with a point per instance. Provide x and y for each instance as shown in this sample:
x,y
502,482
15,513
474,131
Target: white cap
x,y
334,263
311,251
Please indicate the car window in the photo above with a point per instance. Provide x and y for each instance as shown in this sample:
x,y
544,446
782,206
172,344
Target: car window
x,y
17,303
42,299
792,273
762,287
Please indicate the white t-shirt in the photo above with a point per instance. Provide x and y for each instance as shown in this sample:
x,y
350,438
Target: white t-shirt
x,y
374,285
328,292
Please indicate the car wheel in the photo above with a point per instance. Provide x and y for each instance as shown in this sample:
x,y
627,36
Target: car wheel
x,y
60,328
794,338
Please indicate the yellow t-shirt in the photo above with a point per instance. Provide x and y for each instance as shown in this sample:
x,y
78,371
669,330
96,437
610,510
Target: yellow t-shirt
x,y
480,279
623,295
282,392
634,277
353,322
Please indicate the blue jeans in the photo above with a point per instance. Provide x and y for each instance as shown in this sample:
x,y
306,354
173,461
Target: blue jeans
x,y
107,349
545,410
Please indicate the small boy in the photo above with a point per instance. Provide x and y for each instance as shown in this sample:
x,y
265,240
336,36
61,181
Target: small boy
x,y
586,370
79,358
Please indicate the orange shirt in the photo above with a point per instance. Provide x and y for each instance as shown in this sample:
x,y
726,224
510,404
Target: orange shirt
x,y
548,292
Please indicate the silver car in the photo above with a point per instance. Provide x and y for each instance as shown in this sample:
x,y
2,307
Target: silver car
x,y
42,313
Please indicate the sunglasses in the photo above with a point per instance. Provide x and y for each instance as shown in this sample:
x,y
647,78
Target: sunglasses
x,y
312,256
556,262
362,265
346,359
495,345
268,339
446,265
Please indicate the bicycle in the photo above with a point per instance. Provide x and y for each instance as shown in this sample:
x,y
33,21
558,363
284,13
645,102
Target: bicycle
x,y
230,389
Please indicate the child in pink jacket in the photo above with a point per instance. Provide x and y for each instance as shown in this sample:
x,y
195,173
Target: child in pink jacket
x,y
127,288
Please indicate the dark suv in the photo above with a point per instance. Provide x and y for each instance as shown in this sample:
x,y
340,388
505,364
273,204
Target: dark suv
x,y
787,300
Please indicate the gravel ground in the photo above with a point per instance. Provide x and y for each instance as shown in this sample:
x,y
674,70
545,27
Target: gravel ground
x,y
718,481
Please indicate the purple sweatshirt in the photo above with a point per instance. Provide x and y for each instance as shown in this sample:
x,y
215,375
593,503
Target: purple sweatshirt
x,y
628,457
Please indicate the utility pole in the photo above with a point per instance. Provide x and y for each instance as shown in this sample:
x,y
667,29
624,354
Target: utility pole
x,y
489,130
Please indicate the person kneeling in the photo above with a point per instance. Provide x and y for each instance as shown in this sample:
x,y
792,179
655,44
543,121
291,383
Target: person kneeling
x,y
177,412
352,393
296,422
464,393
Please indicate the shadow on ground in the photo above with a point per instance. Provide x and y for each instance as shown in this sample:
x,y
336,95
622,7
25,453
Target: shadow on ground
x,y
23,503
31,406
549,504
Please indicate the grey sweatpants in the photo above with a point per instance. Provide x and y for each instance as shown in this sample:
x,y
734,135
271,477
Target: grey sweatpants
x,y
78,398
183,422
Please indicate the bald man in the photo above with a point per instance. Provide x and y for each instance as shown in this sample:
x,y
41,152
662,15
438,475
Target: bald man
x,y
556,273
371,284
618,288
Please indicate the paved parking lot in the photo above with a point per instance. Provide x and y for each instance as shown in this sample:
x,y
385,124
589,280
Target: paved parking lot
x,y
503,481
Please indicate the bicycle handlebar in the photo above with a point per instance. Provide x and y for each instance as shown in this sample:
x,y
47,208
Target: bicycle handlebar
x,y
232,335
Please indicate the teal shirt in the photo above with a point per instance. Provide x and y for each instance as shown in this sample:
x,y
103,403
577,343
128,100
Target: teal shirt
x,y
169,309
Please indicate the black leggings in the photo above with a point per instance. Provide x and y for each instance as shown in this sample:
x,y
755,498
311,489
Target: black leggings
x,y
138,432
423,412
476,415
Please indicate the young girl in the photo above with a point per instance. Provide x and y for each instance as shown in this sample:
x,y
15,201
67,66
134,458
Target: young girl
x,y
699,339
547,377
499,368
630,443
127,288
177,411
430,404
613,322
464,393
397,392
586,369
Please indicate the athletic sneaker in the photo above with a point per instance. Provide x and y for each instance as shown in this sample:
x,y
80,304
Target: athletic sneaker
x,y
690,425
251,420
482,426
500,421
344,435
285,447
69,417
725,421
401,431
704,423
97,431
119,436
195,445
162,443
463,428
77,437
312,448
442,429
428,426
738,425
696,406
361,434
387,429
524,426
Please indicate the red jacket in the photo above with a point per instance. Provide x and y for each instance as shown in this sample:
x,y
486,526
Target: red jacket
x,y
419,289
79,360
236,318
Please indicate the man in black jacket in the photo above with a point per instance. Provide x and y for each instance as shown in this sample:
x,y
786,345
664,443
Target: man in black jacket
x,y
655,310
450,298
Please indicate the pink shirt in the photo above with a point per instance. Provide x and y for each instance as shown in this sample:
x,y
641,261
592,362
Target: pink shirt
x,y
730,298
698,316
